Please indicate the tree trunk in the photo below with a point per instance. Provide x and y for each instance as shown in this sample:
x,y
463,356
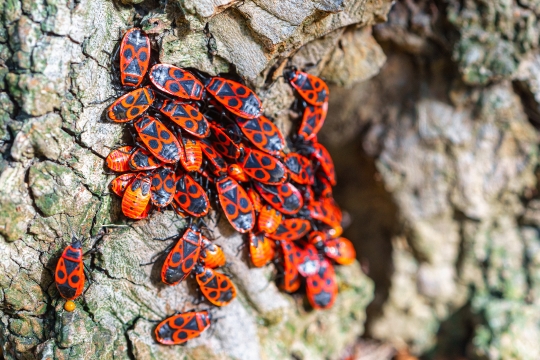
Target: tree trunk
x,y
56,80
445,192
437,159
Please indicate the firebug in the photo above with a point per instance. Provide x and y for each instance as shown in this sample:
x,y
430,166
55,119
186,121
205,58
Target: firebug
x,y
236,205
215,286
136,197
182,327
291,229
321,287
187,117
262,133
285,197
158,139
235,97
134,57
118,159
131,105
190,196
311,88
183,257
176,82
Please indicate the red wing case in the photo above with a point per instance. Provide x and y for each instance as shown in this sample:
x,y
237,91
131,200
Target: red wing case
x,y
134,57
182,327
182,258
311,88
176,81
236,204
187,117
158,139
69,274
321,288
235,97
262,133
131,105
285,197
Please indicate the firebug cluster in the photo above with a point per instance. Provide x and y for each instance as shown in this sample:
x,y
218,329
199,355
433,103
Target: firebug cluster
x,y
200,140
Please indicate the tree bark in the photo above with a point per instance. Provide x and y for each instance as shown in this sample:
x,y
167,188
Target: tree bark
x,y
56,80
449,141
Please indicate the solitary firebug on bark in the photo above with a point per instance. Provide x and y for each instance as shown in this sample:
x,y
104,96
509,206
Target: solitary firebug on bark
x,y
182,327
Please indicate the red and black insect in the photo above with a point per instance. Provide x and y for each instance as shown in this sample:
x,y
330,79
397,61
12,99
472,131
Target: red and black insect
x,y
215,286
299,168
311,88
69,274
187,117
236,204
163,187
262,167
307,194
158,139
176,82
321,287
190,196
261,249
237,173
331,204
317,238
235,97
341,250
131,105
322,186
255,199
212,255
120,183
326,212
118,159
262,133
191,156
145,213
182,327
223,143
323,157
312,121
268,219
285,197
137,197
134,57
289,281
216,162
308,262
291,229
141,159
183,257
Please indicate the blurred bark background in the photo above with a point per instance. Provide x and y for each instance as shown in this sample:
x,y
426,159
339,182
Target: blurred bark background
x,y
433,126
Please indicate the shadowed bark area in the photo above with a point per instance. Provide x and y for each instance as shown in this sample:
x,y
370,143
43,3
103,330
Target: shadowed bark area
x,y
57,78
451,125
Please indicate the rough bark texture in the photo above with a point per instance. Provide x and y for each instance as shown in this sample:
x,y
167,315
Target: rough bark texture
x,y
437,160
449,219
56,79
